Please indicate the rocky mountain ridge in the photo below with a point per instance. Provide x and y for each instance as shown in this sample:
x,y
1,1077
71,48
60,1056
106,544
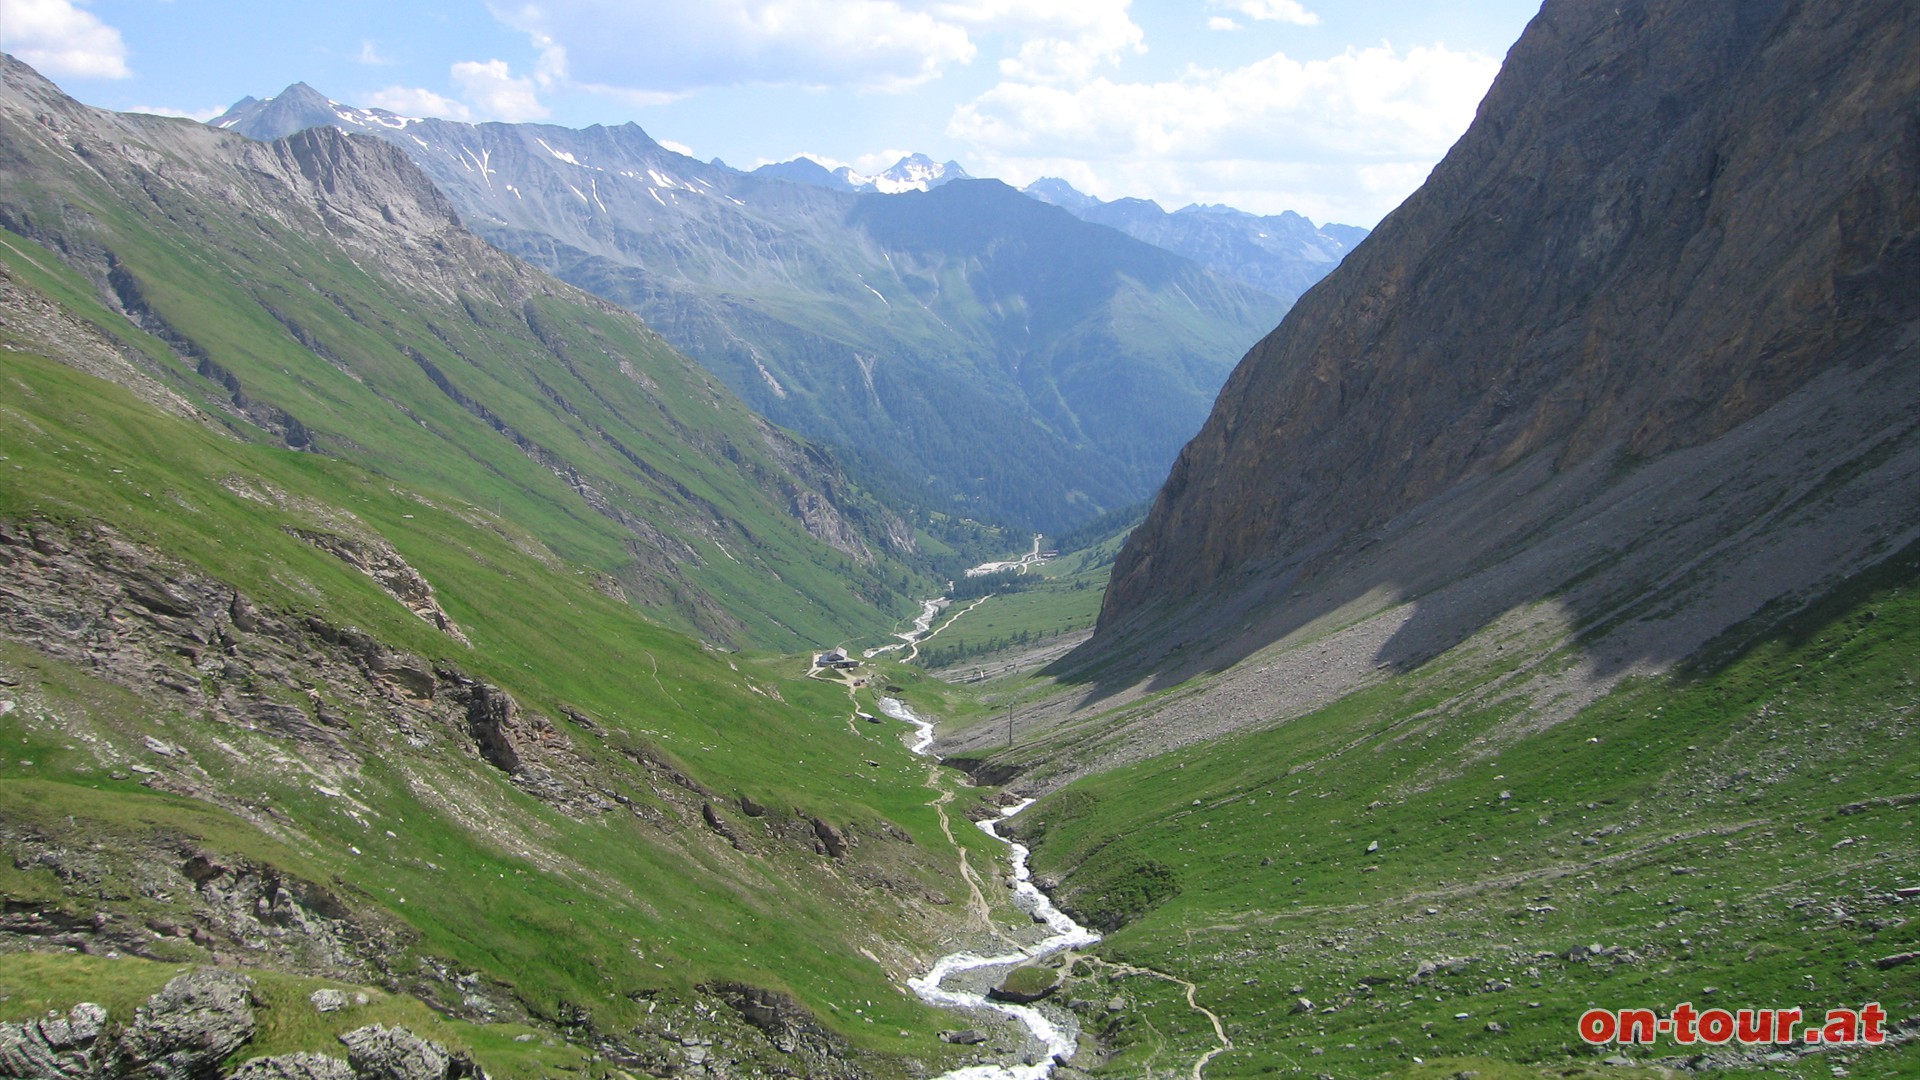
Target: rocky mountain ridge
x,y
1667,220
988,356
1283,254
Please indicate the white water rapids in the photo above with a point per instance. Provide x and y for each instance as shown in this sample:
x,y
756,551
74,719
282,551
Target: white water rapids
x,y
1059,1041
922,627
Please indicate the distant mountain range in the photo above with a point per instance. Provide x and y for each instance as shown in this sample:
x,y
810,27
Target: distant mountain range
x,y
915,172
1283,254
981,353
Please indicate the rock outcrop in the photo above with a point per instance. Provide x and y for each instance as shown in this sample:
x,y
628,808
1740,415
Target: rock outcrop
x,y
294,1067
1668,218
189,1027
56,1047
376,558
88,596
383,1053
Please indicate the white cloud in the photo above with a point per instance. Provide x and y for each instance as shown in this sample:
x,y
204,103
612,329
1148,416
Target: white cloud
x,y
414,101
677,147
1058,39
670,47
1221,22
1350,135
494,92
878,162
60,38
632,99
667,49
1286,11
371,55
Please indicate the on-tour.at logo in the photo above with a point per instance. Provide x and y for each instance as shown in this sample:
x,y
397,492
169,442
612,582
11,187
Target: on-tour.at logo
x,y
1687,1026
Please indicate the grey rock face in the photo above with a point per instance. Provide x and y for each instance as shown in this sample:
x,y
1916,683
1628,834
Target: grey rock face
x,y
55,1048
383,1053
294,1067
832,840
1667,217
186,1030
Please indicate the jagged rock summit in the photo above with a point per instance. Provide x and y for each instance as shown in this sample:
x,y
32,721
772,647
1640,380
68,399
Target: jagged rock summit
x,y
1641,333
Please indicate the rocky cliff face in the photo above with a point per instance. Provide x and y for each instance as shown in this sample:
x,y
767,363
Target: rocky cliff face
x,y
1668,218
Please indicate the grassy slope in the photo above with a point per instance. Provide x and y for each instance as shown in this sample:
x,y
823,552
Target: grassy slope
x,y
1693,821
1061,603
231,282
557,907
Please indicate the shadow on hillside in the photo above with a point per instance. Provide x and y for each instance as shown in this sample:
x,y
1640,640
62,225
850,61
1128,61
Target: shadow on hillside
x,y
1650,562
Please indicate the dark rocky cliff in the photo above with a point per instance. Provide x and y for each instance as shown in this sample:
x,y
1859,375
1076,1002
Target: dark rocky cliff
x,y
1667,218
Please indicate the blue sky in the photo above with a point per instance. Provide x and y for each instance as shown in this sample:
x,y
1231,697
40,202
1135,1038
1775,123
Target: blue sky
x,y
1334,110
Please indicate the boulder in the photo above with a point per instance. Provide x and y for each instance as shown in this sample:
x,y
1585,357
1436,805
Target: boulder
x,y
189,1027
55,1048
383,1053
831,838
294,1067
964,1037
1025,984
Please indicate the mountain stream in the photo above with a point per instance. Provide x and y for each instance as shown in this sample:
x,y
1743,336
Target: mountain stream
x,y
1059,1037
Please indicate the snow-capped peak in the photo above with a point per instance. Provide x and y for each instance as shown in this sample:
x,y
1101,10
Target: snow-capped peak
x,y
915,172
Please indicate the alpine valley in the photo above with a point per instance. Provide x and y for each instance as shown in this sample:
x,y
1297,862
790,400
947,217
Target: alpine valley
x,y
991,355
414,665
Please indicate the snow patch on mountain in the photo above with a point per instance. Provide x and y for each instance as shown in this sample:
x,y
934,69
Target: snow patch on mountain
x,y
915,172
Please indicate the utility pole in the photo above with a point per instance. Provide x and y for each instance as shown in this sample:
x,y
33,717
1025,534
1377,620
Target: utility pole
x,y
1009,725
